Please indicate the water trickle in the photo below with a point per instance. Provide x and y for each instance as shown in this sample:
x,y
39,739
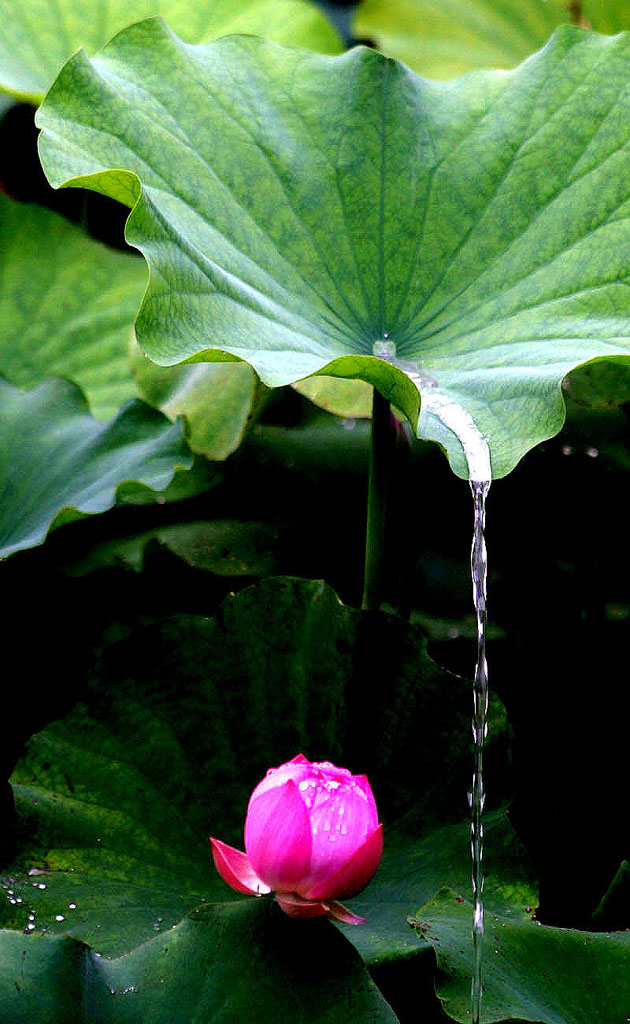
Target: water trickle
x,y
477,453
479,571
384,349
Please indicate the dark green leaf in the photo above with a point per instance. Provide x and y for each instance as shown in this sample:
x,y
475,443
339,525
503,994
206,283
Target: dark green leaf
x,y
418,862
600,385
229,963
58,464
532,972
226,547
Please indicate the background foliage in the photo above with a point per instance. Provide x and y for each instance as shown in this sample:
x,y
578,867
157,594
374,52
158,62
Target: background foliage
x,y
170,528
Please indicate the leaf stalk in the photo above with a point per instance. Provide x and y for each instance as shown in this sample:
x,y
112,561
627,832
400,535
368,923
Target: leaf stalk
x,y
382,455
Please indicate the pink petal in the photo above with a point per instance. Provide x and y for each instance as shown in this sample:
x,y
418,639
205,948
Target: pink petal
x,y
299,759
296,907
338,912
363,784
235,868
298,769
278,836
342,818
355,874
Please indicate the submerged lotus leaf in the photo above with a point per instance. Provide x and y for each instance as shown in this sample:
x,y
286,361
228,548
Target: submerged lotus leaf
x,y
57,463
38,37
312,207
444,38
67,306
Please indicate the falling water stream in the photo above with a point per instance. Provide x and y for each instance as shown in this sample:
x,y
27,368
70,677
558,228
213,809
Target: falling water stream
x,y
477,453
479,571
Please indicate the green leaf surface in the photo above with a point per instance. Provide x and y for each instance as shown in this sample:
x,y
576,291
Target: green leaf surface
x,y
318,206
186,483
613,910
67,306
57,463
445,38
217,399
607,15
43,980
349,398
532,972
599,385
418,863
235,962
38,37
225,547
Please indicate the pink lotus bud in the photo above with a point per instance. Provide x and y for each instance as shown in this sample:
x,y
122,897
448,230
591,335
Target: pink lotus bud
x,y
311,835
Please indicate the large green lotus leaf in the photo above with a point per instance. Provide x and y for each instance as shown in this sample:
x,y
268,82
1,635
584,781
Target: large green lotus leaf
x,y
532,972
229,963
38,37
444,38
181,719
217,399
318,206
57,463
67,306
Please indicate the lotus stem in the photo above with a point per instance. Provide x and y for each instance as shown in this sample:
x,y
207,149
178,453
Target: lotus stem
x,y
382,454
